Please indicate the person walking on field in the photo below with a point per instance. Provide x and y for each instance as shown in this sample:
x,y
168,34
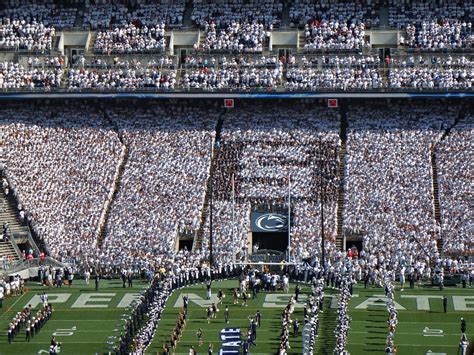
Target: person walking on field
x,y
226,314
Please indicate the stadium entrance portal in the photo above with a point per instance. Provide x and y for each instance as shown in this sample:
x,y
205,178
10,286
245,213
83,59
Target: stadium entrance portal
x,y
273,241
186,244
351,244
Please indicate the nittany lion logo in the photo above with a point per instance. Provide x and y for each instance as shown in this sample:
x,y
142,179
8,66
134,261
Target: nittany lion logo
x,y
270,222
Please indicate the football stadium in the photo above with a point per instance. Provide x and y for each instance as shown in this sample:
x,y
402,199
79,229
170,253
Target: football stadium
x,y
236,177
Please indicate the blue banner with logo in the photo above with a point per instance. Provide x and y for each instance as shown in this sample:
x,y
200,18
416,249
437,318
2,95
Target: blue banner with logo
x,y
268,222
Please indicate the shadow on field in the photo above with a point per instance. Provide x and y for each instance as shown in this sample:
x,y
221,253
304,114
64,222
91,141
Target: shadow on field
x,y
326,340
377,343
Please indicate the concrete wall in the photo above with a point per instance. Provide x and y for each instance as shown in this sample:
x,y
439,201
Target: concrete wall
x,y
283,39
384,38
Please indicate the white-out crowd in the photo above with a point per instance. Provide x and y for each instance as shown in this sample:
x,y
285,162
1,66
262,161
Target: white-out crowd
x,y
131,38
453,157
240,72
390,148
261,148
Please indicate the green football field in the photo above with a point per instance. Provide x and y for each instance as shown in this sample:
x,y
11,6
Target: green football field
x,y
423,326
84,320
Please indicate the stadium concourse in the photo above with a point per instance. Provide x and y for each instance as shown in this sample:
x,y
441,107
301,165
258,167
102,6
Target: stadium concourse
x,y
121,166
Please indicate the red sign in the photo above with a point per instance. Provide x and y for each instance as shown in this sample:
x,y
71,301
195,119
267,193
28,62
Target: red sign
x,y
229,103
332,103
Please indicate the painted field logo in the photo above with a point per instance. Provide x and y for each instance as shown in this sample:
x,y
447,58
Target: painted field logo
x,y
231,342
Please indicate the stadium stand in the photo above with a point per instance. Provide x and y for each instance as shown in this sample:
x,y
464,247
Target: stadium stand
x,y
303,12
396,142
452,155
169,158
261,147
61,163
231,13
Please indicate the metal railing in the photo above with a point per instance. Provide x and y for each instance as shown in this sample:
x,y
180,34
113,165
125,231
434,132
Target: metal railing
x,y
26,264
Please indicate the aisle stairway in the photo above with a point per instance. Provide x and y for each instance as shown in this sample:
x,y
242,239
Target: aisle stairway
x,y
435,180
341,173
8,251
9,215
93,37
116,184
285,14
197,244
435,192
188,10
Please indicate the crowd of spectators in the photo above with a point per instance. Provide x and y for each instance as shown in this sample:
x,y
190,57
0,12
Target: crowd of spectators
x,y
389,148
260,148
39,62
14,76
431,78
209,79
108,14
131,38
303,12
46,12
439,35
403,13
235,62
27,35
137,77
334,35
359,61
453,155
424,60
170,158
224,13
61,163
335,79
235,38
125,62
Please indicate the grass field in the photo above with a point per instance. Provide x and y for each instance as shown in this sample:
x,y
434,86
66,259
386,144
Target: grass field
x,y
369,326
84,320
268,336
81,326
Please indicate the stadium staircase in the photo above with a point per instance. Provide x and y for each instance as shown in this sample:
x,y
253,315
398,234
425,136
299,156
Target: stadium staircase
x,y
435,178
285,14
9,249
93,37
188,10
116,185
341,171
383,15
202,37
301,41
197,244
